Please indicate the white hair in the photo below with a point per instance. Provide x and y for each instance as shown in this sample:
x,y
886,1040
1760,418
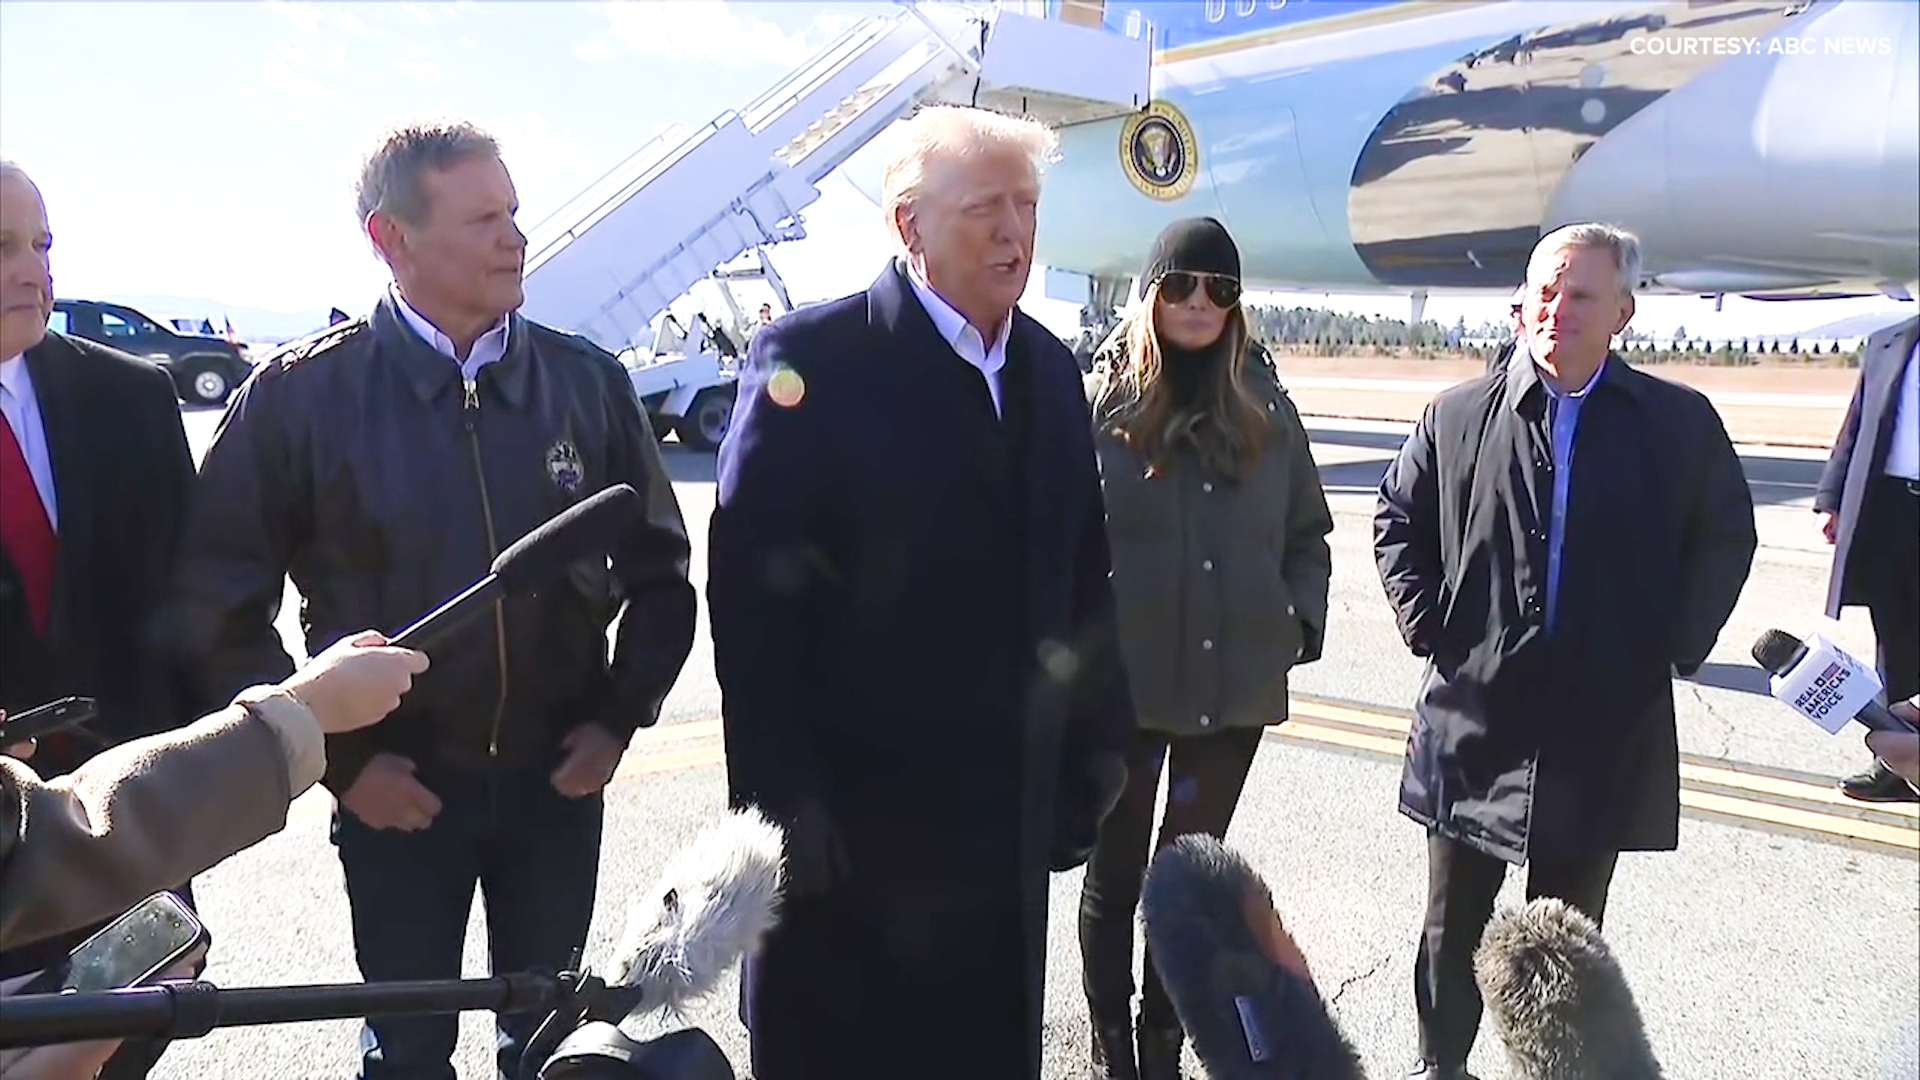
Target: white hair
x,y
949,132
1622,245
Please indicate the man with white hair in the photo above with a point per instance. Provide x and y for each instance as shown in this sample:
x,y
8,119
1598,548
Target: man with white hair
x,y
913,631
1559,539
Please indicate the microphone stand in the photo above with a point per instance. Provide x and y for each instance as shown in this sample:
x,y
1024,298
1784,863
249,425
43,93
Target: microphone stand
x,y
190,1008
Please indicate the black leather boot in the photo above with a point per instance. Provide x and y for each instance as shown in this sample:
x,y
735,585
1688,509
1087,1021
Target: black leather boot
x,y
1160,1052
1878,784
1113,1053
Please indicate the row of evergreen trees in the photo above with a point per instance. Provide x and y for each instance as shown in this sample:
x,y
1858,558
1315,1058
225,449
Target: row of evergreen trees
x,y
1329,333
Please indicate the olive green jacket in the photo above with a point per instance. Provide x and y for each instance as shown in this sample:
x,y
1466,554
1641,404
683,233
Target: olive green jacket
x,y
1220,588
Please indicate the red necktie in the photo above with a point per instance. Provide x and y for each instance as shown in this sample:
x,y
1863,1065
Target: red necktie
x,y
24,528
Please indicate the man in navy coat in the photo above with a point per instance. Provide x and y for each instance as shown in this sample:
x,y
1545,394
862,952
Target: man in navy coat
x,y
1559,539
913,632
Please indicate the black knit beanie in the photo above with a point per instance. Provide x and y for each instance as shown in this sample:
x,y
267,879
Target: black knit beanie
x,y
1199,245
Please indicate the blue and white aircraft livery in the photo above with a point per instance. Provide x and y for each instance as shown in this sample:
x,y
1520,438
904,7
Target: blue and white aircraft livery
x,y
1760,147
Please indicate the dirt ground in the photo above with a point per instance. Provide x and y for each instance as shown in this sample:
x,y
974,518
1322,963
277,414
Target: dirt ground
x,y
1747,422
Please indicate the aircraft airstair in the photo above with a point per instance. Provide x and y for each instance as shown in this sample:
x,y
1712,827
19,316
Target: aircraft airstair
x,y
612,259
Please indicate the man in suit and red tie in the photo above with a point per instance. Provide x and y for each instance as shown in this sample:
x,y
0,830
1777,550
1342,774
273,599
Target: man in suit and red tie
x,y
94,475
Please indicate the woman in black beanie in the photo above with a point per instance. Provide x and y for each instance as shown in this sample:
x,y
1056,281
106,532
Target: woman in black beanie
x,y
1218,527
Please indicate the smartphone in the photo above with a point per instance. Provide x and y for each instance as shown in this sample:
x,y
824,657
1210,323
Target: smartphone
x,y
133,950
48,719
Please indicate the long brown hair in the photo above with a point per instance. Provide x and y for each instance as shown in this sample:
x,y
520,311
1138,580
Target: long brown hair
x,y
1225,427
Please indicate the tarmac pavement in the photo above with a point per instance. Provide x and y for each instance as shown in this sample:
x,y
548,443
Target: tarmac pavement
x,y
1781,940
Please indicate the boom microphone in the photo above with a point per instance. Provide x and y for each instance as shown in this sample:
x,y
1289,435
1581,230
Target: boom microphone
x,y
1239,984
587,528
713,904
1558,998
1823,682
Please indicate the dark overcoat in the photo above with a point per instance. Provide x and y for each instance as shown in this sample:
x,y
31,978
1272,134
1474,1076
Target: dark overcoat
x,y
913,628
1527,745
1860,454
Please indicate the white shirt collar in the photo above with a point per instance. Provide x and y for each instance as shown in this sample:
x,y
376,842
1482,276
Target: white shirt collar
x,y
14,376
966,339
491,345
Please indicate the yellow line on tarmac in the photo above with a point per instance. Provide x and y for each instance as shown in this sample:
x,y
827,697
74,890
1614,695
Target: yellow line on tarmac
x,y
1353,740
692,758
1758,783
661,749
1794,818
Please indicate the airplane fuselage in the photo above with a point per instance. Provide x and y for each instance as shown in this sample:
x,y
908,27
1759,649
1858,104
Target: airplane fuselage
x,y
1761,148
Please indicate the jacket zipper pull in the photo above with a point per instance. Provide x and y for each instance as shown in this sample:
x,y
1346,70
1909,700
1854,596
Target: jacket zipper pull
x,y
471,404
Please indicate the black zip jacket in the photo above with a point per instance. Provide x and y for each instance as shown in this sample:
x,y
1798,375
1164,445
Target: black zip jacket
x,y
363,465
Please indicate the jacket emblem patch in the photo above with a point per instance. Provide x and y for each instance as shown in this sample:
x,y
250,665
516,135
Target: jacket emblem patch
x,y
563,466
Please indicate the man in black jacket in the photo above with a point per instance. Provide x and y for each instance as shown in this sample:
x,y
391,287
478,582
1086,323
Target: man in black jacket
x,y
89,526
384,463
1558,538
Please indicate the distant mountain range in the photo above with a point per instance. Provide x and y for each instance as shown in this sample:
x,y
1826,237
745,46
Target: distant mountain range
x,y
259,325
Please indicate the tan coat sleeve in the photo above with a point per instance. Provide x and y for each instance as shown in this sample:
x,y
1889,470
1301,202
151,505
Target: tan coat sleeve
x,y
143,816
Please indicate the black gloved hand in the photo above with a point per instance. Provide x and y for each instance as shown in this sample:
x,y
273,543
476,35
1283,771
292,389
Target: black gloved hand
x,y
816,857
1083,805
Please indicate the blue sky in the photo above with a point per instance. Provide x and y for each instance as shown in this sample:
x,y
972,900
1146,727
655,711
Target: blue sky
x,y
209,149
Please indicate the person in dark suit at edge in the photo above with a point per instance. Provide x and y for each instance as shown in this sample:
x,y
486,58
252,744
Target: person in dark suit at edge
x,y
913,631
94,479
1869,502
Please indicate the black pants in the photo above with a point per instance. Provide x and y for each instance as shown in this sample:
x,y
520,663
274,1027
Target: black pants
x,y
536,857
1462,884
1889,533
893,971
1204,776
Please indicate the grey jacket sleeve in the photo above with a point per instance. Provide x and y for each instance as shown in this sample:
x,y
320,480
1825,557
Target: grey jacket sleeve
x,y
1833,478
140,817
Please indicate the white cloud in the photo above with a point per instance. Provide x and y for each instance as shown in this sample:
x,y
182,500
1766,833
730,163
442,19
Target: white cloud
x,y
709,30
351,23
304,17
549,164
594,52
415,65
290,69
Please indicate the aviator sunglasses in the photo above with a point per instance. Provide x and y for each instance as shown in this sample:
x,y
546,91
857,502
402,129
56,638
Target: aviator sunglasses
x,y
1177,285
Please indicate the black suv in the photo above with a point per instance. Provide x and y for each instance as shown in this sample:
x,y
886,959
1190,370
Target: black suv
x,y
205,369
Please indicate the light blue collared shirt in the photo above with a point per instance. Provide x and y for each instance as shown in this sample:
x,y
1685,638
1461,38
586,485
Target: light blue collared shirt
x,y
491,346
1563,412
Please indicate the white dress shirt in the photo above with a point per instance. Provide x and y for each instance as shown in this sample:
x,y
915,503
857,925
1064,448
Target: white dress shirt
x,y
1903,454
491,345
22,410
965,339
